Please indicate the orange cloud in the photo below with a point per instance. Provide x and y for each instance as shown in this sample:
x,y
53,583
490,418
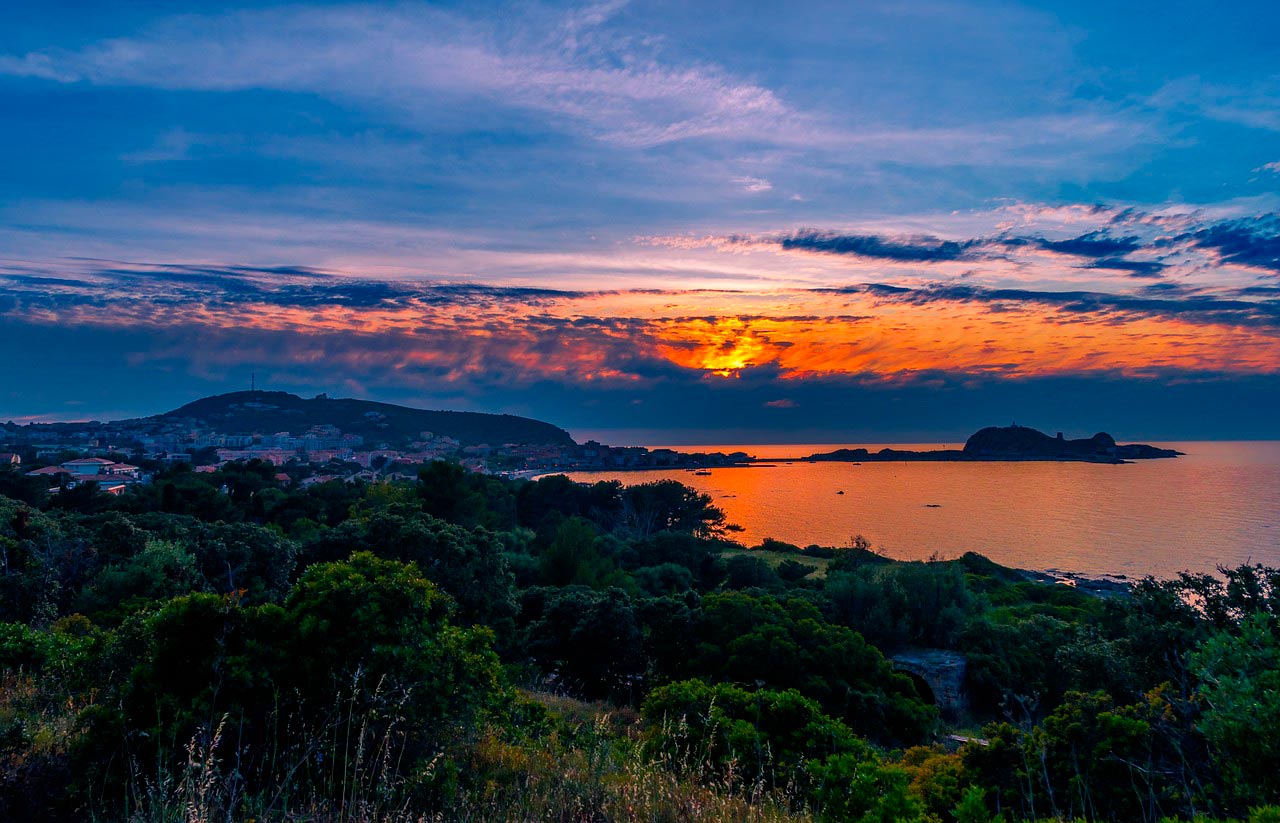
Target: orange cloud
x,y
456,334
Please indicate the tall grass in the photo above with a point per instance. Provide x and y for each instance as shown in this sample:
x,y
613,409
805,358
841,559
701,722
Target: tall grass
x,y
590,765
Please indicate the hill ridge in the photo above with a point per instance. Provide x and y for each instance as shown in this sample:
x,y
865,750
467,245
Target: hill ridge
x,y
268,412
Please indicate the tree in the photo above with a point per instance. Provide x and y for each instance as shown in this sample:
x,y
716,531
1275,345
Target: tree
x,y
667,505
572,557
746,572
468,564
745,638
776,738
587,641
1240,677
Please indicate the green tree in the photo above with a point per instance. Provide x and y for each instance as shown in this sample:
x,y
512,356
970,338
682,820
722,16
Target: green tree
x,y
667,505
572,558
746,638
1240,677
589,642
162,570
468,564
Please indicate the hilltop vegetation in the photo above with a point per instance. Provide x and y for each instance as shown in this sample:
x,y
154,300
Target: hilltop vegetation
x,y
223,647
249,412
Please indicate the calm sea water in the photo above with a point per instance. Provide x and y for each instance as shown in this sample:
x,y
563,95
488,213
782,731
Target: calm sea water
x,y
1218,505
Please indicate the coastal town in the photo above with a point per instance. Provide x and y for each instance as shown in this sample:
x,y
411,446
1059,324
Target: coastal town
x,y
115,455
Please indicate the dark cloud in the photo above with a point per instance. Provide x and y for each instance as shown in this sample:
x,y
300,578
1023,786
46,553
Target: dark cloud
x,y
1099,244
1253,241
907,250
283,286
1135,268
1193,308
39,281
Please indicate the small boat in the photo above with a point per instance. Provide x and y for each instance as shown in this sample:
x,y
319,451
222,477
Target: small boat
x,y
841,491
703,472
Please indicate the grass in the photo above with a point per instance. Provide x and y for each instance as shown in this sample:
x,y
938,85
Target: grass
x,y
775,559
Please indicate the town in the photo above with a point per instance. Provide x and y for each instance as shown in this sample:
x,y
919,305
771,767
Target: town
x,y
115,455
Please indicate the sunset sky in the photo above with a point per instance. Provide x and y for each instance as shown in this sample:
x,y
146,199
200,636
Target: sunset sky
x,y
651,221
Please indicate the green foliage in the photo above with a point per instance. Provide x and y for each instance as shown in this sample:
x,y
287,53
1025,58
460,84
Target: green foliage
x,y
765,734
365,643
556,497
22,647
938,779
667,505
700,556
792,570
853,787
386,621
1240,685
451,493
663,579
468,564
587,641
902,604
771,545
162,570
277,652
745,638
746,572
572,559
15,485
972,808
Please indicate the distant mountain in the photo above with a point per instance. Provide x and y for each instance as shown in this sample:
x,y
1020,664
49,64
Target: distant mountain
x,y
269,412
1012,443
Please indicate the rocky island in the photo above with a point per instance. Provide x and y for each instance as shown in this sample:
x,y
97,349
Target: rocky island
x,y
1010,443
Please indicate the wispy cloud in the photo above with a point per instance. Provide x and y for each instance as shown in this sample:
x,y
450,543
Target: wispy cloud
x,y
412,58
754,185
1044,245
1255,104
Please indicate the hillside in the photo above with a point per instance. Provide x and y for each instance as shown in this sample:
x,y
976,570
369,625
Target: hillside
x,y
250,412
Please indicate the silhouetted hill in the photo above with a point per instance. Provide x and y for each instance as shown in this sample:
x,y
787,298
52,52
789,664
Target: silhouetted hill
x,y
1012,443
268,412
1023,442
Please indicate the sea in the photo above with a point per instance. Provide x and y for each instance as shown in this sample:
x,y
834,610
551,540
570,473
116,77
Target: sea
x,y
1217,506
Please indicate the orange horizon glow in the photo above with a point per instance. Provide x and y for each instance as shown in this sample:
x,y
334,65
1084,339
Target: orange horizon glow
x,y
609,336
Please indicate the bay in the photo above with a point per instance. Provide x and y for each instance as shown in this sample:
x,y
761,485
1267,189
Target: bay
x,y
1218,505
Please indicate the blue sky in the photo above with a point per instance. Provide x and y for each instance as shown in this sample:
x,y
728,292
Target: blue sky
x,y
683,200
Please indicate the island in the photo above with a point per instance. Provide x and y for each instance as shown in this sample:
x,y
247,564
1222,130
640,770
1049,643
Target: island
x,y
1011,443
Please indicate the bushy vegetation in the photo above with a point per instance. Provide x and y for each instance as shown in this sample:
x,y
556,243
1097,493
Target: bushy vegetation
x,y
226,647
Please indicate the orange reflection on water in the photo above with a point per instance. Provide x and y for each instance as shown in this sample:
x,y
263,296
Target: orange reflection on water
x,y
1219,504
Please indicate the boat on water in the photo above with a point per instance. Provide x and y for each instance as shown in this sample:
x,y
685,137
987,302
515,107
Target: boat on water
x,y
703,472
